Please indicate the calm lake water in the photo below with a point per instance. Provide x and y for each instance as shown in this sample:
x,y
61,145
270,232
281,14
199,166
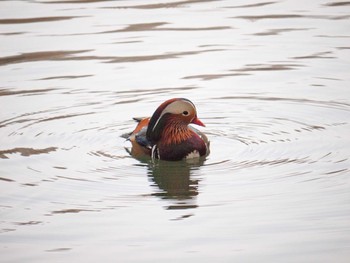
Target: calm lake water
x,y
270,80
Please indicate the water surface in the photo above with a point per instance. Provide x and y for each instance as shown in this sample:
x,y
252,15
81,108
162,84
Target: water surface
x,y
270,81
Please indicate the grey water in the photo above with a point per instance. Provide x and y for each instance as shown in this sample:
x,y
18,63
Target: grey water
x,y
270,79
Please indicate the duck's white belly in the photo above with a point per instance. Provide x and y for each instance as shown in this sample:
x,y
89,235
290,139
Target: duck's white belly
x,y
194,154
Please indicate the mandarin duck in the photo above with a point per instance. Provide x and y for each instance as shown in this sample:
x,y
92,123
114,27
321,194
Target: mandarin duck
x,y
167,134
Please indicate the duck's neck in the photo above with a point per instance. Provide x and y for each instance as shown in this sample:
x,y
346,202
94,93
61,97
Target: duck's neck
x,y
175,133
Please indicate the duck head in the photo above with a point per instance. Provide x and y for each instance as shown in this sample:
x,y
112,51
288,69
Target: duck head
x,y
173,114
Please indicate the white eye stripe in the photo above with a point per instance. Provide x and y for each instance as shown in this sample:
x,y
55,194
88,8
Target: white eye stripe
x,y
176,107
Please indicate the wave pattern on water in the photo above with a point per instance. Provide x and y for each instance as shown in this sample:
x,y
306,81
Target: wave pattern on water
x,y
275,105
35,19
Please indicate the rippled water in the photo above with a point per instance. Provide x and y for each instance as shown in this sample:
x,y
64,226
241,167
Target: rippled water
x,y
270,79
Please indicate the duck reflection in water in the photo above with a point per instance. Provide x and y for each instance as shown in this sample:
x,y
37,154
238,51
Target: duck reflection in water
x,y
175,182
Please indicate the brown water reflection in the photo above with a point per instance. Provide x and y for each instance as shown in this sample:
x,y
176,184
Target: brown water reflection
x,y
159,27
247,70
25,151
292,16
69,55
35,19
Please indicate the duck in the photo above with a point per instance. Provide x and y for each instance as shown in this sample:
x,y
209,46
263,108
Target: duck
x,y
167,135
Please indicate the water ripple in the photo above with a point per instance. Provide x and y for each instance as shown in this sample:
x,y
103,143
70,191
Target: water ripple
x,y
25,151
35,19
73,55
276,110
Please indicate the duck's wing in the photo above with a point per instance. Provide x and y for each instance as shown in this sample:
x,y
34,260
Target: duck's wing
x,y
141,138
202,136
142,122
140,145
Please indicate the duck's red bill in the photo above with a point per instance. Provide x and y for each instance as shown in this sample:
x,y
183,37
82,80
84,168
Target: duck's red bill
x,y
198,122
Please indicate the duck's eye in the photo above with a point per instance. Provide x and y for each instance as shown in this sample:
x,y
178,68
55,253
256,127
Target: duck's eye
x,y
185,113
